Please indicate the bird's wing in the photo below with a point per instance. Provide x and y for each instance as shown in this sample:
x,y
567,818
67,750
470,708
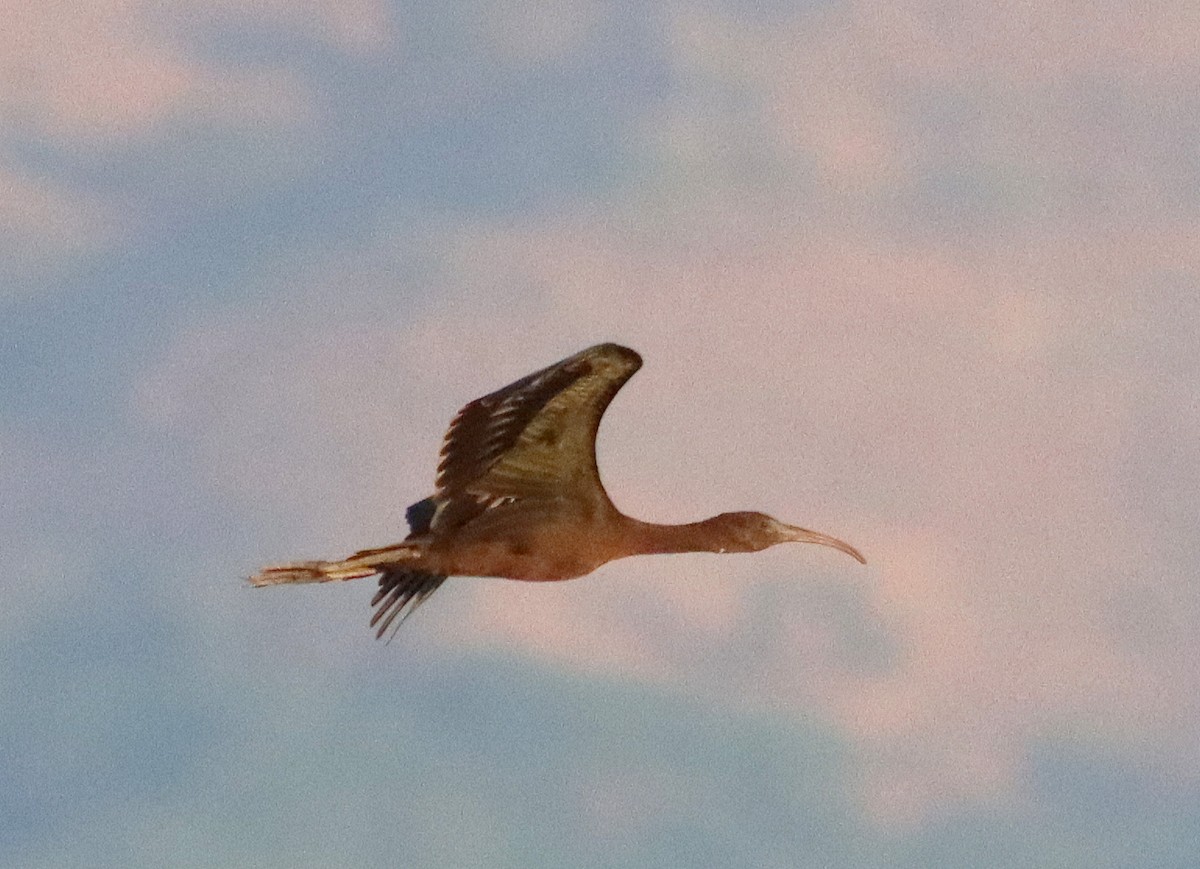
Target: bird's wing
x,y
535,437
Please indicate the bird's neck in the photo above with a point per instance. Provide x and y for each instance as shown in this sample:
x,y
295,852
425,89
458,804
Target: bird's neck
x,y
649,538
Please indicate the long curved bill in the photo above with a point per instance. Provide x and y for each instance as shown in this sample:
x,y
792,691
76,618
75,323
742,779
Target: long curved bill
x,y
792,534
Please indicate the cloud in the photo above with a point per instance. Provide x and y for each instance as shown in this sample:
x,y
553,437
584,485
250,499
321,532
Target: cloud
x,y
536,33
979,421
44,226
117,71
114,108
360,28
43,555
1022,43
853,317
963,432
916,118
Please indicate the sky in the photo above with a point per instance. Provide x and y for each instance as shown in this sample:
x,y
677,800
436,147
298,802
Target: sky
x,y
922,275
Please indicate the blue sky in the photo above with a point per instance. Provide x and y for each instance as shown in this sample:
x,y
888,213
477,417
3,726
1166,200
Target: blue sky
x,y
923,276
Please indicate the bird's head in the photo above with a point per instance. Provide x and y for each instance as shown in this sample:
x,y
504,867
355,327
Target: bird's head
x,y
751,532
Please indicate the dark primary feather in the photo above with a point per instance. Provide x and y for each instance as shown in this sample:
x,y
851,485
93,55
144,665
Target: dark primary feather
x,y
402,590
400,593
533,437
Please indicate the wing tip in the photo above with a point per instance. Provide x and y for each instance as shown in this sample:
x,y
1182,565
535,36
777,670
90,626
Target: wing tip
x,y
615,352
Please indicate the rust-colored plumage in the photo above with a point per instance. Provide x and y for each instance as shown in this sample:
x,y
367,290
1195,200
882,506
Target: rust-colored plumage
x,y
518,496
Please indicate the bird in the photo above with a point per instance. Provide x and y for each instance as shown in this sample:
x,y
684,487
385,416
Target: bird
x,y
518,496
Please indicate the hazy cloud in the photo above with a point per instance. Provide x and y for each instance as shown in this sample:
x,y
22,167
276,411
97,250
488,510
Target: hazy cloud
x,y
921,275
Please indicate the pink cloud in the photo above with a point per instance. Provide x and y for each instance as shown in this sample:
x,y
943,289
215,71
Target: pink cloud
x,y
901,397
42,225
959,409
114,71
958,419
1019,41
92,74
1063,111
944,401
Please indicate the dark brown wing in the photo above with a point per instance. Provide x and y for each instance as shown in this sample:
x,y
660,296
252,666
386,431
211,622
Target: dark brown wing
x,y
535,437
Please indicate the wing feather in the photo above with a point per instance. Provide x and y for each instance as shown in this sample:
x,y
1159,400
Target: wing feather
x,y
535,437
400,593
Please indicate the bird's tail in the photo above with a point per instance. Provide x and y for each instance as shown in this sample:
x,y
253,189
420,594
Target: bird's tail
x,y
360,564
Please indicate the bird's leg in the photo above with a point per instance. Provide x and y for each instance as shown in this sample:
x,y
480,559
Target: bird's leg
x,y
358,565
309,571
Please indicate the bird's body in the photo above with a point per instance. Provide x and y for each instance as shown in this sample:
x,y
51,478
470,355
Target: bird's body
x,y
549,550
518,496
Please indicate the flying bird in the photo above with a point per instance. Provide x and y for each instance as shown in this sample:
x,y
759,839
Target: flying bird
x,y
518,496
